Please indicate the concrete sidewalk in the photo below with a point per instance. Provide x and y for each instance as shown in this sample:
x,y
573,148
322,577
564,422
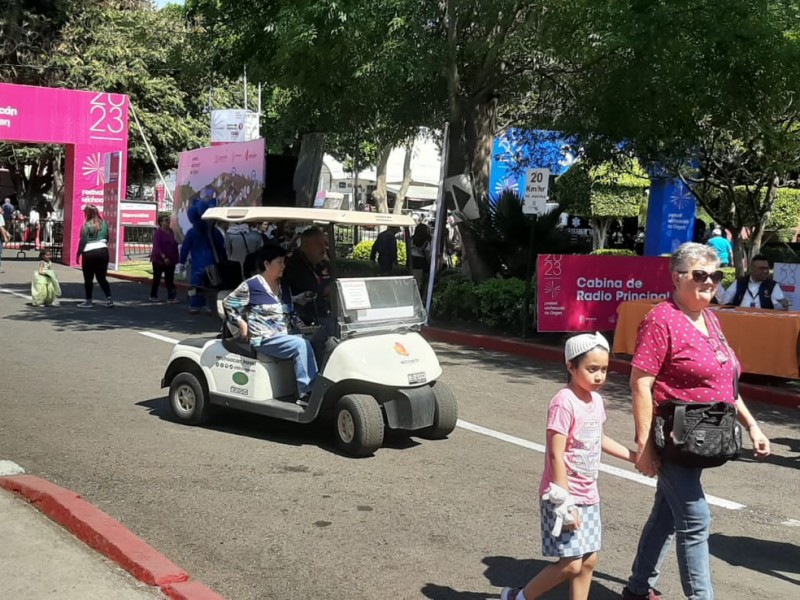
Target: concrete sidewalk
x,y
40,560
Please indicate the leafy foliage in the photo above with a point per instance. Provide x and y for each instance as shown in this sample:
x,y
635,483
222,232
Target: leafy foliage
x,y
503,235
363,249
613,252
495,303
604,191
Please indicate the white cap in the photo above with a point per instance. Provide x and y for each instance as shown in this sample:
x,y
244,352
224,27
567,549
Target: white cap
x,y
584,342
717,231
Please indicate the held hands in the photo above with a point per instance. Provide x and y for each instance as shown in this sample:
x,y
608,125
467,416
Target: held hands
x,y
761,447
566,514
647,461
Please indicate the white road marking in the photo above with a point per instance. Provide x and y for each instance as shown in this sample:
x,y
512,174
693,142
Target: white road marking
x,y
160,338
8,468
15,293
791,523
611,470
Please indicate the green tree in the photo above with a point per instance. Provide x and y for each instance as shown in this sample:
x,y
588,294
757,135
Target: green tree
x,y
603,194
706,90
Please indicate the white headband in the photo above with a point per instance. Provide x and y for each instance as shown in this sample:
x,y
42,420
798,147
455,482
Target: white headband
x,y
584,342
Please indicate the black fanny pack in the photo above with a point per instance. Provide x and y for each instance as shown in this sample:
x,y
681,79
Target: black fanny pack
x,y
697,434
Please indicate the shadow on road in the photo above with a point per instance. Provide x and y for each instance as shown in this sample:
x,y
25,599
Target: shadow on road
x,y
777,559
132,311
318,433
504,571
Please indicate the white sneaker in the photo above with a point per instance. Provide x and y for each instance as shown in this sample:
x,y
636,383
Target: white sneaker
x,y
87,304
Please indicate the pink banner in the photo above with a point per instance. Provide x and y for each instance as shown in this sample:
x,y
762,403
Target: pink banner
x,y
138,214
89,124
582,293
232,173
110,209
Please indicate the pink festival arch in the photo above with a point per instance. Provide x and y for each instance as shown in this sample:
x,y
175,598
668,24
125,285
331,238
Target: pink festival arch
x,y
89,124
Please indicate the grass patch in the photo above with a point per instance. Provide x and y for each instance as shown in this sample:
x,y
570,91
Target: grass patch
x,y
135,268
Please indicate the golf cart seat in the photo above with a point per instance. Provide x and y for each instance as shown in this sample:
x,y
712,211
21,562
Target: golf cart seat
x,y
237,346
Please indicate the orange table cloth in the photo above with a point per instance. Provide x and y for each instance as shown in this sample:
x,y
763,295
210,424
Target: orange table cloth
x,y
765,341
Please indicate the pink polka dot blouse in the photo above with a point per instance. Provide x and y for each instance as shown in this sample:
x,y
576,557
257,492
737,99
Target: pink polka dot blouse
x,y
687,365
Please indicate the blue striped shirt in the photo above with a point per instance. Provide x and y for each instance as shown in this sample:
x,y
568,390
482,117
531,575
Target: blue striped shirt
x,y
266,313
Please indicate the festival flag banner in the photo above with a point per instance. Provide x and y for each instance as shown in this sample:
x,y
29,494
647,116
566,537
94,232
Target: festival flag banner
x,y
582,293
112,189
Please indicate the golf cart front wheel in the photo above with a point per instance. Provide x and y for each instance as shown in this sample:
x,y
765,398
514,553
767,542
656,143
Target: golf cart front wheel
x,y
358,424
445,414
188,399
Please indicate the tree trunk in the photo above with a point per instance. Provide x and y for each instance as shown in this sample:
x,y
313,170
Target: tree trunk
x,y
380,194
740,255
599,233
763,221
399,203
58,183
470,149
309,166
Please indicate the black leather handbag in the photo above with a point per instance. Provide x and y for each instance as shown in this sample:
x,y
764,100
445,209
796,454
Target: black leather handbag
x,y
699,434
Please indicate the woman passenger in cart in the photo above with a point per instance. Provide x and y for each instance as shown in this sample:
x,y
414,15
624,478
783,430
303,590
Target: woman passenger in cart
x,y
261,308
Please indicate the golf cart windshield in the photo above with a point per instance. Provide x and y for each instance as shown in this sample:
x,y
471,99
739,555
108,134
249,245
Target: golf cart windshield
x,y
378,304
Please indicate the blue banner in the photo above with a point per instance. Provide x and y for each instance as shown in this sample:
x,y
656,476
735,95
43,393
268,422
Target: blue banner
x,y
670,216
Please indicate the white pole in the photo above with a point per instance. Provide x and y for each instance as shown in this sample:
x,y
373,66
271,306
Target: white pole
x,y
152,157
245,88
440,222
259,99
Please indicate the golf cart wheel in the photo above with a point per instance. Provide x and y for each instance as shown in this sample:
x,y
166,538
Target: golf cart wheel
x,y
358,424
445,413
188,399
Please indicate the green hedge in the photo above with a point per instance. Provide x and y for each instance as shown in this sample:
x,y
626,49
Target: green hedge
x,y
495,303
613,252
363,250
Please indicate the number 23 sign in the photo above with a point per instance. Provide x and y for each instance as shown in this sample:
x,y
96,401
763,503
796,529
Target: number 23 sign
x,y
108,118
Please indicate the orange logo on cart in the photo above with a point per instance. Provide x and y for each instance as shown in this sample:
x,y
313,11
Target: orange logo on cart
x,y
400,349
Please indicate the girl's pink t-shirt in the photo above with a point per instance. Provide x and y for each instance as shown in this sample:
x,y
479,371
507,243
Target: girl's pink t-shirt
x,y
687,365
582,424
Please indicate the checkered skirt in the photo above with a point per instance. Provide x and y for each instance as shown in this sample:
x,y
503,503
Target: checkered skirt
x,y
570,543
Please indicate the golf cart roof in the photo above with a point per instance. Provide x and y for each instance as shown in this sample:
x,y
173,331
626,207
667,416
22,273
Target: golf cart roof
x,y
260,214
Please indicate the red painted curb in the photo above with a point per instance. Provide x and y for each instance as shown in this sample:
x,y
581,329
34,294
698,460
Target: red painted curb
x,y
190,590
108,537
753,393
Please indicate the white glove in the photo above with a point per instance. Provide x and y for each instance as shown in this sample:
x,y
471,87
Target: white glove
x,y
180,269
564,505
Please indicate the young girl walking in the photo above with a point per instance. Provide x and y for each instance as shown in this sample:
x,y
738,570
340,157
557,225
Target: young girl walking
x,y
570,504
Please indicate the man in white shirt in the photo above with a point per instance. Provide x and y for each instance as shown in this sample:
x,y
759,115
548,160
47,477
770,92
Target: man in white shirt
x,y
756,290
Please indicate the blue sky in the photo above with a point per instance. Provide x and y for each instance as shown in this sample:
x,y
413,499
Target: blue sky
x,y
160,3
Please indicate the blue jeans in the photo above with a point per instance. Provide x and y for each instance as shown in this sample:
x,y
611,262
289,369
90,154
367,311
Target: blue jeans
x,y
680,511
299,350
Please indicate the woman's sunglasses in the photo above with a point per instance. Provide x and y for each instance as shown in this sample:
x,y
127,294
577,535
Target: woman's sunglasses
x,y
700,276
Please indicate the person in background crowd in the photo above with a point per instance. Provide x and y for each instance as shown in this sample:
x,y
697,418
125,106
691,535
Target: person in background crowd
x,y
722,247
304,274
241,241
46,212
45,289
93,256
638,242
164,258
681,355
421,254
699,233
8,210
4,237
32,235
385,249
267,231
755,290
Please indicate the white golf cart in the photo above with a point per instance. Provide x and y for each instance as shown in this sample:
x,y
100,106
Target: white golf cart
x,y
375,369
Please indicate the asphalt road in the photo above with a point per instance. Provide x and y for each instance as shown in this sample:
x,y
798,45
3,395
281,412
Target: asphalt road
x,y
260,509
